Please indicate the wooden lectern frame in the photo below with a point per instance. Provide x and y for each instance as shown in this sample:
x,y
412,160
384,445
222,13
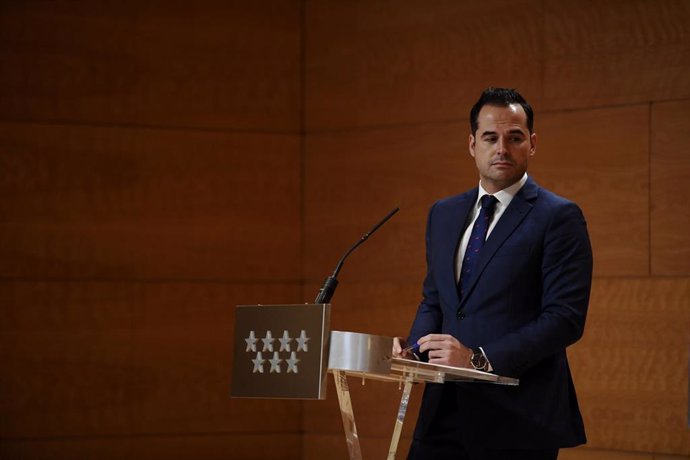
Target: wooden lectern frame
x,y
363,356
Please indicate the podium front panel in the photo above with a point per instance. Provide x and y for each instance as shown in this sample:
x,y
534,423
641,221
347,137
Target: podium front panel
x,y
281,351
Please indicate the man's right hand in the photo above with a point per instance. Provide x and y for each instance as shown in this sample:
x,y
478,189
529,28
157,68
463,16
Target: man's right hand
x,y
399,346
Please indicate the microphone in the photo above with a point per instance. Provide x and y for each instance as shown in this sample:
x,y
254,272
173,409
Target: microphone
x,y
328,289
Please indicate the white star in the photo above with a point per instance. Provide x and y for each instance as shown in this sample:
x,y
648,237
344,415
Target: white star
x,y
302,341
275,363
251,342
268,341
258,364
292,363
285,342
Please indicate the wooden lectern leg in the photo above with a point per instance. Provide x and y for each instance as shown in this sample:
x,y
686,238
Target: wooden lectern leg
x,y
348,415
397,430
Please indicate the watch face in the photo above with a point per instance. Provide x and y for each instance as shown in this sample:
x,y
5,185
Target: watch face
x,y
478,360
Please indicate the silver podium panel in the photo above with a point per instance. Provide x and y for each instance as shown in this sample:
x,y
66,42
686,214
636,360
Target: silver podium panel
x,y
356,352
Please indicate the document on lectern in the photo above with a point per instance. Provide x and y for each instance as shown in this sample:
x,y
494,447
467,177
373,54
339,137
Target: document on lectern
x,y
281,351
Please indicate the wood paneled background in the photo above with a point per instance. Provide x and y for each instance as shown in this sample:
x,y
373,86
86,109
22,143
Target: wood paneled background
x,y
163,161
150,174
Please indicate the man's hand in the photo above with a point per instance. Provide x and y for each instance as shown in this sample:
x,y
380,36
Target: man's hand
x,y
445,349
399,346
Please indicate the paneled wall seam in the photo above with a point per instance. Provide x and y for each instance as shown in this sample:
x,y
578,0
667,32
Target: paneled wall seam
x,y
148,281
142,435
302,190
302,146
542,66
149,127
452,121
650,147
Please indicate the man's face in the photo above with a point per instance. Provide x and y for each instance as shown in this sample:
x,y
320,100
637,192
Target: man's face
x,y
502,146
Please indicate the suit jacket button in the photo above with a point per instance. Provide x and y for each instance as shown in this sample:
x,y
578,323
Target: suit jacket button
x,y
461,314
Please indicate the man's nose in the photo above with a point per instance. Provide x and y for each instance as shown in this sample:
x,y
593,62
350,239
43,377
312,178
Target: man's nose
x,y
501,146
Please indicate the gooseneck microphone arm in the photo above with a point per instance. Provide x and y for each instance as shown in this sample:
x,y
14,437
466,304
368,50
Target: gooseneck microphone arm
x,y
328,289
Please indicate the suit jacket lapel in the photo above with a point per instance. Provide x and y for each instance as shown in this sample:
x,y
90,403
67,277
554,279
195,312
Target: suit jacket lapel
x,y
518,209
455,223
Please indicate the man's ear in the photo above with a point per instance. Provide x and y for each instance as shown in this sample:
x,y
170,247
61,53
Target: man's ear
x,y
471,145
533,142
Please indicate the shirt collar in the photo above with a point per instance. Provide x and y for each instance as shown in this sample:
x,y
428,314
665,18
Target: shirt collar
x,y
506,195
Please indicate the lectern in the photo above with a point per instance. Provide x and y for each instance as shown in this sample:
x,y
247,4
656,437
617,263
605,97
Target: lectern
x,y
286,351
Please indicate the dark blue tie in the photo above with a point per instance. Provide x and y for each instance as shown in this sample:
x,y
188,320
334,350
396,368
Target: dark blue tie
x,y
477,238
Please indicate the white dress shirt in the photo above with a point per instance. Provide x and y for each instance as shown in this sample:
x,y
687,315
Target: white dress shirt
x,y
504,198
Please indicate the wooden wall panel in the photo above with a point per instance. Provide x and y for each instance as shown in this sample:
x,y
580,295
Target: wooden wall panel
x,y
374,307
600,159
584,453
211,64
150,163
670,164
223,446
121,203
373,63
615,52
353,178
631,367
95,359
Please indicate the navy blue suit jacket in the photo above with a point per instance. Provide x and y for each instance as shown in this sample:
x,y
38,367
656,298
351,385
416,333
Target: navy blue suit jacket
x,y
526,303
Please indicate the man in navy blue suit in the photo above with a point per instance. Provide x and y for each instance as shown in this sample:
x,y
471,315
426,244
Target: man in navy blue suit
x,y
506,291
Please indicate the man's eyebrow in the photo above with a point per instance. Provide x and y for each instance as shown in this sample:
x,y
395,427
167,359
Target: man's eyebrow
x,y
516,131
512,131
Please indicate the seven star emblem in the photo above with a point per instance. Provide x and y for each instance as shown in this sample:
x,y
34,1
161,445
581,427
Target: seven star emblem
x,y
285,341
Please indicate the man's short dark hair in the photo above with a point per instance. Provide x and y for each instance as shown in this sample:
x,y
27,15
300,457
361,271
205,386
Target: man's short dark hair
x,y
500,97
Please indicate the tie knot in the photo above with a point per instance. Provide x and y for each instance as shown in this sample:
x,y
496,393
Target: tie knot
x,y
488,202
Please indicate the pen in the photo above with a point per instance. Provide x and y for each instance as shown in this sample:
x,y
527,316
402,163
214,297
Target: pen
x,y
411,349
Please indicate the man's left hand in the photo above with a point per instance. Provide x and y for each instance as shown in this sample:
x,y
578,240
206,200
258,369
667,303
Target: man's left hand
x,y
445,349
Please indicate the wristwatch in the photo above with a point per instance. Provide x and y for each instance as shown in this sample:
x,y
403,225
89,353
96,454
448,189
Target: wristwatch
x,y
478,360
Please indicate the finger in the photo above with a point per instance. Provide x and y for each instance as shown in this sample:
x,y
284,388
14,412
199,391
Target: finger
x,y
442,360
438,353
426,346
435,338
397,345
442,337
437,345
